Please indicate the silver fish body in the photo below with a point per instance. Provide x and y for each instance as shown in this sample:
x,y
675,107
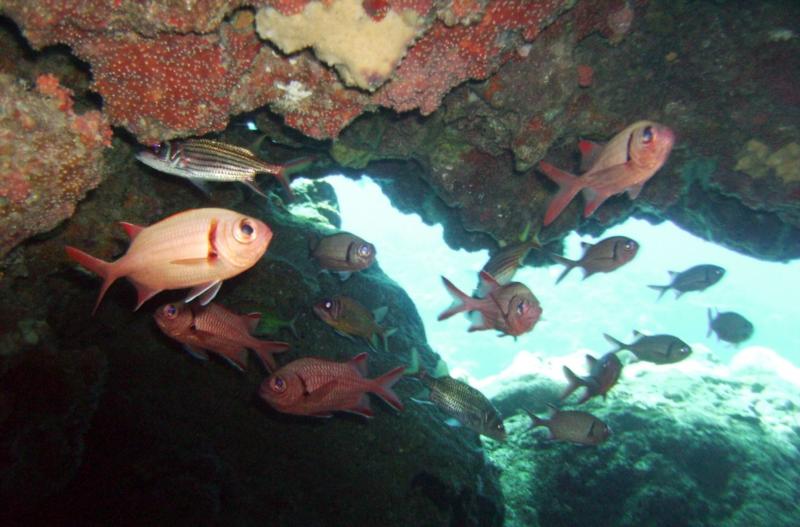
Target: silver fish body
x,y
466,404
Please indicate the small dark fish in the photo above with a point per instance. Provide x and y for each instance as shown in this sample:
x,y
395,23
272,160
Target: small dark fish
x,y
573,426
466,404
603,375
349,318
342,252
658,349
695,278
730,327
206,159
603,257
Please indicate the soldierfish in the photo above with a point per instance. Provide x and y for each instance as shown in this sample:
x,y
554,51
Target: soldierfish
x,y
342,252
730,327
658,349
217,329
349,318
603,375
602,257
197,248
511,309
573,426
624,164
209,160
695,278
319,387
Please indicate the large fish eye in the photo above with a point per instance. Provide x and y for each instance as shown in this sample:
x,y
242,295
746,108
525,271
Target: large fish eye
x,y
365,250
629,245
245,231
170,311
277,384
327,305
647,134
522,307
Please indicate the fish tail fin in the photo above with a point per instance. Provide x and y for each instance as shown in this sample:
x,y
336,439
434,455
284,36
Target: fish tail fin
x,y
710,321
536,421
620,345
569,186
461,301
284,179
264,350
383,387
573,383
570,265
292,167
385,334
661,289
97,266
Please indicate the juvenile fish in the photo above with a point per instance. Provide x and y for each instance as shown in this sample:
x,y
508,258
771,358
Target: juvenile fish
x,y
697,278
658,349
197,248
216,329
349,318
573,426
603,375
319,387
209,160
342,252
511,309
464,403
603,257
730,327
624,164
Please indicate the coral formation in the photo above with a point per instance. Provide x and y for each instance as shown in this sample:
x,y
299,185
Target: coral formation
x,y
49,157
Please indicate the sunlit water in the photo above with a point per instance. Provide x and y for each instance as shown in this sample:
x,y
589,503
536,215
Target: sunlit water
x,y
576,312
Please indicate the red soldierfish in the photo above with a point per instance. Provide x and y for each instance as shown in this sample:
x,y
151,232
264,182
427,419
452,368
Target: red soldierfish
x,y
217,329
197,248
624,164
603,257
511,309
319,387
603,375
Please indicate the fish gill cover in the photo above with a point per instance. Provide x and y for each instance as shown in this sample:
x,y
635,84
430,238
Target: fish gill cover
x,y
107,419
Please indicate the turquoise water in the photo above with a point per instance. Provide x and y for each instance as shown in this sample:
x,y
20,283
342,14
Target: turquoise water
x,y
576,312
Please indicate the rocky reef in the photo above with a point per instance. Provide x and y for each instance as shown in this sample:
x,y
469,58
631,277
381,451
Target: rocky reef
x,y
695,443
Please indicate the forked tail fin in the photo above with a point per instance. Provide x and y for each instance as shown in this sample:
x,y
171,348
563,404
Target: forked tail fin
x,y
661,289
383,387
569,186
461,300
95,265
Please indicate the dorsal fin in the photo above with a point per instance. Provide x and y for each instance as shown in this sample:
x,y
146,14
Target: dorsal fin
x,y
359,363
589,152
131,229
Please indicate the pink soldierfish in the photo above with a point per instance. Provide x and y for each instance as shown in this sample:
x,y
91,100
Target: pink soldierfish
x,y
197,248
511,309
624,164
319,387
217,329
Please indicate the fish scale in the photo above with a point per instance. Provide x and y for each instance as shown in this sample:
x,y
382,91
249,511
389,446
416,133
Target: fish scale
x,y
223,162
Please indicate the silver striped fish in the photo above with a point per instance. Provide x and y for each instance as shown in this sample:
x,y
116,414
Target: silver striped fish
x,y
209,160
504,264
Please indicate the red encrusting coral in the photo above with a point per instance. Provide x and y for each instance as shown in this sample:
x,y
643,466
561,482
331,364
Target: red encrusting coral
x,y
49,157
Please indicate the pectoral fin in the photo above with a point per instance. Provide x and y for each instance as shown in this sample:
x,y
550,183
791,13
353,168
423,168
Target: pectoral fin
x,y
205,292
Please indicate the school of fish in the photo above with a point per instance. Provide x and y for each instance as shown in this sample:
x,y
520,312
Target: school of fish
x,y
198,249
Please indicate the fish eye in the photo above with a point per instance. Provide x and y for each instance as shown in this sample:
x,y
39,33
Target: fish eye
x,y
327,305
521,307
365,250
629,245
170,311
245,231
647,134
278,385
156,148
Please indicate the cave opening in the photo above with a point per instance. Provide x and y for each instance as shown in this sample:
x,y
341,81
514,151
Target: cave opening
x,y
577,312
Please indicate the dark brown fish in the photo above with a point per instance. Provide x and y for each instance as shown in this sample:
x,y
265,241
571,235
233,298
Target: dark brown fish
x,y
511,309
573,426
342,252
730,327
206,159
659,349
603,257
695,278
466,404
603,375
349,318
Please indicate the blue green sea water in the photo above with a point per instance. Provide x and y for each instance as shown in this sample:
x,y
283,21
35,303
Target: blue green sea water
x,y
577,312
